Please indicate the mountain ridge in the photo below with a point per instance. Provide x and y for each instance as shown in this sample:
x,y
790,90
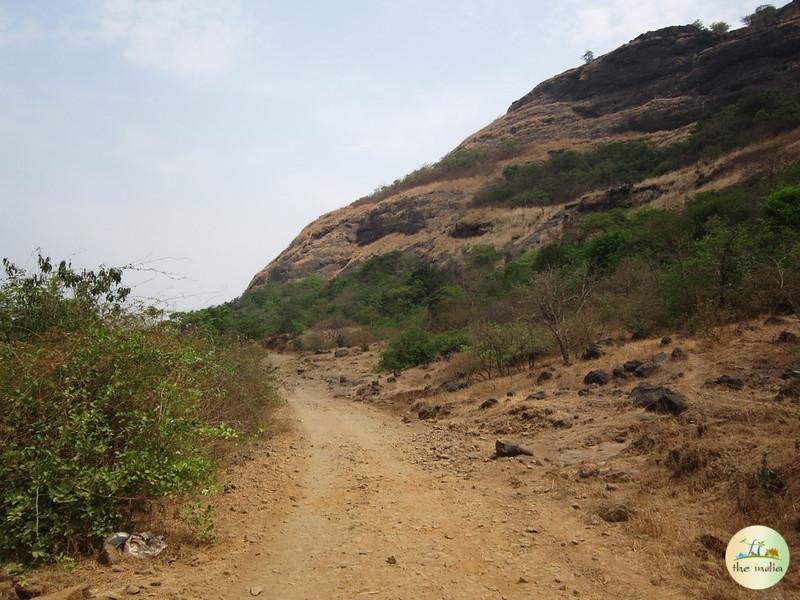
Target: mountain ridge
x,y
655,88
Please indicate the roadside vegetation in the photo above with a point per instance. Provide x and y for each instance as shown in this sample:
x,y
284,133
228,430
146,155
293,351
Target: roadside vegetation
x,y
105,407
727,254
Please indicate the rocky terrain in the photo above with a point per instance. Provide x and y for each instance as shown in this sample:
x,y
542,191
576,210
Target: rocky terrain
x,y
622,475
653,88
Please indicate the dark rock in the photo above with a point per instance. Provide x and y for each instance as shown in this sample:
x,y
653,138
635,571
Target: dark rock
x,y
775,321
468,230
660,357
383,220
391,560
452,386
620,196
616,513
432,412
342,379
592,353
488,403
631,365
504,448
788,392
544,376
645,369
786,337
509,394
678,354
597,376
619,373
536,396
391,380
732,382
657,398
562,423
340,352
666,340
397,373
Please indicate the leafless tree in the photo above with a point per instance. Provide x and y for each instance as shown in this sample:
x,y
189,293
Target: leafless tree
x,y
558,301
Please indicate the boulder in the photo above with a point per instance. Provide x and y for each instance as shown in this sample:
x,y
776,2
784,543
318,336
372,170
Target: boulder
x,y
616,513
507,448
619,373
536,396
657,398
432,412
597,376
786,337
666,340
591,353
645,369
659,357
678,354
562,423
544,376
631,365
732,382
340,352
489,403
452,386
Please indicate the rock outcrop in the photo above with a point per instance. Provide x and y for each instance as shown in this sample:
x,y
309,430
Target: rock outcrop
x,y
654,88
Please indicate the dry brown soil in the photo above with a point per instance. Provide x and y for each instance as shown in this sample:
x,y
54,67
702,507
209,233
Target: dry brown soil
x,y
359,498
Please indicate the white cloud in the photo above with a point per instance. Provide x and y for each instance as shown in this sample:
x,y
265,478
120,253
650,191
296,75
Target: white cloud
x,y
604,26
189,38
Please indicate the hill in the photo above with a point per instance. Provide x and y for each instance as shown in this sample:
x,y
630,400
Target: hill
x,y
671,91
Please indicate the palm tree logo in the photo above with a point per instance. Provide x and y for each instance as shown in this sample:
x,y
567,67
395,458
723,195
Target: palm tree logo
x,y
754,550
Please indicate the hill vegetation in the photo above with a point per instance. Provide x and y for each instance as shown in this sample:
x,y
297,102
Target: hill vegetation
x,y
567,175
728,254
105,407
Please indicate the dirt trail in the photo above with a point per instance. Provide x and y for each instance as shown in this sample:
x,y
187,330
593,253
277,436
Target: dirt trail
x,y
366,494
317,511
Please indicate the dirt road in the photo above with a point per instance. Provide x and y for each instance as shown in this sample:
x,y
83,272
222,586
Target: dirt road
x,y
351,502
379,514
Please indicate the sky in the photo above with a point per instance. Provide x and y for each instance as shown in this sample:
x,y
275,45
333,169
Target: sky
x,y
196,138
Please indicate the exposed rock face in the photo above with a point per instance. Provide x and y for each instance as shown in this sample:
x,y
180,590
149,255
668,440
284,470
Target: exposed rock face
x,y
653,88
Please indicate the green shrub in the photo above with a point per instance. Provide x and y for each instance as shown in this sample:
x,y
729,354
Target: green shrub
x,y
567,175
416,346
102,409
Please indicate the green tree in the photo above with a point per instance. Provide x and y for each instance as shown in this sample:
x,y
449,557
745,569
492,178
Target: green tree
x,y
720,27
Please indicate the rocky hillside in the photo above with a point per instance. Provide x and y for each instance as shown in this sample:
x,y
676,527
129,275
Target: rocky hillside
x,y
654,88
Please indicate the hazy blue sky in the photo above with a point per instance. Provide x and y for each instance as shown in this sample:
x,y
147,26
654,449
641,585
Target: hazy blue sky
x,y
208,132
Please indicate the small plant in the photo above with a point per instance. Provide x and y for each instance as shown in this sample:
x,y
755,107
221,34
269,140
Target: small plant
x,y
767,479
588,57
200,519
66,562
